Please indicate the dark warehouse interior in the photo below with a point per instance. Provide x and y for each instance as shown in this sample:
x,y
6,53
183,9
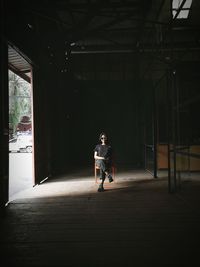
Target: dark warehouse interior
x,y
129,68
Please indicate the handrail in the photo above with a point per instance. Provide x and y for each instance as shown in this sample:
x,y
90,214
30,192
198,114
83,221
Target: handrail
x,y
193,155
180,148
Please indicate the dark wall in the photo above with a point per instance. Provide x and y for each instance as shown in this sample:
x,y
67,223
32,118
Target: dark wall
x,y
80,110
187,83
41,125
177,94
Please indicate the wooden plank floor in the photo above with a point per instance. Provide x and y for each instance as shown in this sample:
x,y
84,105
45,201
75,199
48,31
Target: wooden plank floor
x,y
135,222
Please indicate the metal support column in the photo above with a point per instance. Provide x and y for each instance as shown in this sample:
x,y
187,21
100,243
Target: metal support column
x,y
3,112
155,136
174,126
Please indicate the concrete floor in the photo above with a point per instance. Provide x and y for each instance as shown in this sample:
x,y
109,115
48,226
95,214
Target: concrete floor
x,y
20,172
135,222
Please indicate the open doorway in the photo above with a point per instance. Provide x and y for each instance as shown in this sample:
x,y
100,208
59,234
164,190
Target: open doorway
x,y
21,167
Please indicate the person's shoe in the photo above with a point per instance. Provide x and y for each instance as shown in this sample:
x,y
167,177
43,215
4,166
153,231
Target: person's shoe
x,y
100,189
110,178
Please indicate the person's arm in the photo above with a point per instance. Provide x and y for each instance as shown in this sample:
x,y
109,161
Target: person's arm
x,y
97,157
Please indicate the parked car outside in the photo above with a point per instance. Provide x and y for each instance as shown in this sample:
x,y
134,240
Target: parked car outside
x,y
21,143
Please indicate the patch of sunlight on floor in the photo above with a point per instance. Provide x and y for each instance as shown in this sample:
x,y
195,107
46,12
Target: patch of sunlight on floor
x,y
80,185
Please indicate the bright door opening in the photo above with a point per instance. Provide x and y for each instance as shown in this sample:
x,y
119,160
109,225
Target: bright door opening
x,y
20,135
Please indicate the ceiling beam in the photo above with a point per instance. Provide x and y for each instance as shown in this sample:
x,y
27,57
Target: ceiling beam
x,y
96,49
21,74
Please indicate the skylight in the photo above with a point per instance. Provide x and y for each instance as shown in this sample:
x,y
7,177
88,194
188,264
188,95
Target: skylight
x,y
183,14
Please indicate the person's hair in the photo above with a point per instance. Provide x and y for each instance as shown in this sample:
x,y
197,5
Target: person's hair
x,y
101,136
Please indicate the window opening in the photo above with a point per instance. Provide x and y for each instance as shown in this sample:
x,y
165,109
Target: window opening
x,y
184,13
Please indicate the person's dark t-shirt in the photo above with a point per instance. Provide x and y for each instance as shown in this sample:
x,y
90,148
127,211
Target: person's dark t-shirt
x,y
104,151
